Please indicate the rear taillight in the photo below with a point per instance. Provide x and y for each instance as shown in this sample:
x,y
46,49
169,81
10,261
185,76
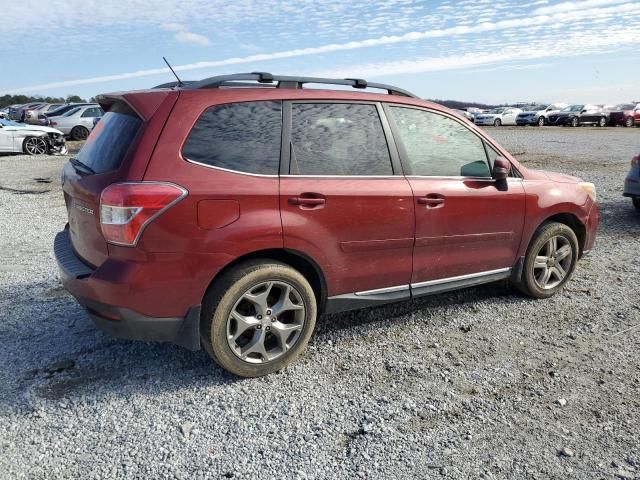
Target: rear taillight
x,y
52,123
127,208
635,160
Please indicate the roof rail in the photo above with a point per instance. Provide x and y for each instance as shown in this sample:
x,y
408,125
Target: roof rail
x,y
265,79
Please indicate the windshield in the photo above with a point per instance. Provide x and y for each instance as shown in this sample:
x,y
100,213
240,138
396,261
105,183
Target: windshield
x,y
9,123
497,110
572,108
537,108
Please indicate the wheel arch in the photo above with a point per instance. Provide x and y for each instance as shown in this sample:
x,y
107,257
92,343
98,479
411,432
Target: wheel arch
x,y
574,223
295,259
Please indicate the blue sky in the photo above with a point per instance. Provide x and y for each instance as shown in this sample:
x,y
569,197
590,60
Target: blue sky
x,y
485,50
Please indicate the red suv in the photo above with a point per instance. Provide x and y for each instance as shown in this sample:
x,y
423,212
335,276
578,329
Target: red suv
x,y
229,213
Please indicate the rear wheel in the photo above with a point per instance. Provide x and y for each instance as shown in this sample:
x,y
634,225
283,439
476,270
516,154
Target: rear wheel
x,y
575,122
636,202
541,121
497,122
35,146
602,122
258,318
550,261
79,133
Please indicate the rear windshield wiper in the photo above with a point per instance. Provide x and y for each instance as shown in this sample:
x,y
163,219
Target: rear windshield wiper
x,y
81,167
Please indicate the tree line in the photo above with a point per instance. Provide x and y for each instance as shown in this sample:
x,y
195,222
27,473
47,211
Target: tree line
x,y
6,100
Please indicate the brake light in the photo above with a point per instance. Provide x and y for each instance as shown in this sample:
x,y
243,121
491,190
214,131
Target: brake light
x,y
127,208
52,123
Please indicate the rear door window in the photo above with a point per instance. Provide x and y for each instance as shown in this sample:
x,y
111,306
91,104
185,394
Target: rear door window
x,y
243,137
109,141
338,139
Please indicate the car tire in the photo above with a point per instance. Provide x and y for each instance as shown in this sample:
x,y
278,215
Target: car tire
x,y
35,146
602,122
79,133
554,249
575,122
243,302
497,122
629,122
541,121
636,202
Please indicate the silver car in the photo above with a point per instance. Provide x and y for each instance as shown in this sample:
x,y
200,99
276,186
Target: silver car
x,y
632,182
37,115
77,122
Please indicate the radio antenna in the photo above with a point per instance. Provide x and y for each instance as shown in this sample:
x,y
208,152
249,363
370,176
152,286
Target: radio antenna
x,y
180,84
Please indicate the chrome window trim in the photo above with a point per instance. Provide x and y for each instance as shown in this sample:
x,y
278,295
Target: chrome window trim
x,y
378,291
266,175
460,277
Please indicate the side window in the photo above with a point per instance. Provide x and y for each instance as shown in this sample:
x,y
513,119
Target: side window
x,y
238,136
436,145
338,139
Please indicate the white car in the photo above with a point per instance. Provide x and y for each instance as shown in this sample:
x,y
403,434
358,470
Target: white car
x,y
498,116
538,114
77,122
30,139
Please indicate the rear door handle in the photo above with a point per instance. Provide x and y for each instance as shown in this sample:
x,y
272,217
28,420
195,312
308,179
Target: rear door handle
x,y
433,200
308,200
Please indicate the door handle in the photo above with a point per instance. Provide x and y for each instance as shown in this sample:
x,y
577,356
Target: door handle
x,y
433,200
308,201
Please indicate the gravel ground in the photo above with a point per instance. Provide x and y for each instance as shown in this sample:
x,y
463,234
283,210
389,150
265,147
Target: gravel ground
x,y
481,383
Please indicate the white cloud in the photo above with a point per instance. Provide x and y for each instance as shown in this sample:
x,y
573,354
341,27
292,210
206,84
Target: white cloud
x,y
574,6
190,37
183,35
557,20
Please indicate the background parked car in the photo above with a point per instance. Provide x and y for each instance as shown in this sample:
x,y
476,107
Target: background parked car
x,y
576,115
77,122
498,116
632,182
30,139
18,112
537,114
35,116
65,108
623,114
465,114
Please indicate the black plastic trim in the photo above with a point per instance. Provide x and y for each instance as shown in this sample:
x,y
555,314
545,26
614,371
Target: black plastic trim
x,y
67,258
352,301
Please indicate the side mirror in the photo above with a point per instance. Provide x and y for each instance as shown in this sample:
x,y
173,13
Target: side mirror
x,y
583,111
501,169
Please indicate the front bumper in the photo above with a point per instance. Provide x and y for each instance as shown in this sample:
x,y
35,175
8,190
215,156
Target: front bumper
x,y
485,121
593,220
526,121
118,321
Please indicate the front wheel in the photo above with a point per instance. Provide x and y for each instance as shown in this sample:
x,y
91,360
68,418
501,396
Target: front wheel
x,y
35,146
602,122
575,122
541,121
258,318
497,122
550,260
628,122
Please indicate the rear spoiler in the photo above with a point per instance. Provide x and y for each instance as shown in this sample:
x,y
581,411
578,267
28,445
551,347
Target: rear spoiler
x,y
144,102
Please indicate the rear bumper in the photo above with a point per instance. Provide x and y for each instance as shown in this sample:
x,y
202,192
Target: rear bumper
x,y
82,281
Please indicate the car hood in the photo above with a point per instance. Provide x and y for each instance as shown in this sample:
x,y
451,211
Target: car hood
x,y
39,128
553,176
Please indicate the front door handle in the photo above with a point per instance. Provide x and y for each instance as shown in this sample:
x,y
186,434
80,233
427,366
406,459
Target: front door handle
x,y
307,201
433,200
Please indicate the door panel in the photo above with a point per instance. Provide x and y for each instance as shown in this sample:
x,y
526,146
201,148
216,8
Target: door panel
x,y
465,224
476,228
362,235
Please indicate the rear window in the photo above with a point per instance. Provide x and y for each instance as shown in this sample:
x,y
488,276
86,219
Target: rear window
x,y
243,137
110,139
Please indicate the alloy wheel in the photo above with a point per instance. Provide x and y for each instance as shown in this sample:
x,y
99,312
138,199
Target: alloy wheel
x,y
266,322
553,262
35,146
